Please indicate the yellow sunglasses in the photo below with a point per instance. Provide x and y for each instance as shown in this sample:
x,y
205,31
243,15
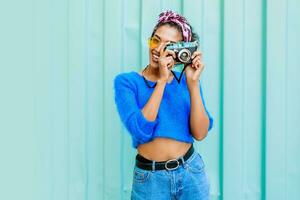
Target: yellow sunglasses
x,y
154,42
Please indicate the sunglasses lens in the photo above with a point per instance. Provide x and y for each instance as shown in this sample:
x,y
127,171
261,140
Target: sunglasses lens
x,y
153,43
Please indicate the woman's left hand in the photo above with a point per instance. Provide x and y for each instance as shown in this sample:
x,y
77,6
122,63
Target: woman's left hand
x,y
194,69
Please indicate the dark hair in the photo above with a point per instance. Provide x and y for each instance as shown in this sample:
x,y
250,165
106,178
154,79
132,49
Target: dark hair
x,y
195,36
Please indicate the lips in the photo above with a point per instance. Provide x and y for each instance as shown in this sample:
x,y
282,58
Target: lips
x,y
155,57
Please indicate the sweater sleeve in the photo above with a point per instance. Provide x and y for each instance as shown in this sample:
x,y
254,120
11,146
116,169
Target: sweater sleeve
x,y
211,120
131,115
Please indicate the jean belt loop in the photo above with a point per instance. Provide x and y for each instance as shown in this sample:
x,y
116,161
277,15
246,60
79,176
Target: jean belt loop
x,y
183,162
153,165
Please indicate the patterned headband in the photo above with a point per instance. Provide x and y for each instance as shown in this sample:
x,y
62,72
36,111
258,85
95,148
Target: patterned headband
x,y
170,16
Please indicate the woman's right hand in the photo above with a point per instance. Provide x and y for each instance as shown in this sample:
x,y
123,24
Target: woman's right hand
x,y
165,63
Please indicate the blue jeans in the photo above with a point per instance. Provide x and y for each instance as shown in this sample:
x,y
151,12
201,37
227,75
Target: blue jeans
x,y
188,182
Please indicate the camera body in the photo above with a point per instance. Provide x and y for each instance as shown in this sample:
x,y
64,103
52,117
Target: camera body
x,y
183,51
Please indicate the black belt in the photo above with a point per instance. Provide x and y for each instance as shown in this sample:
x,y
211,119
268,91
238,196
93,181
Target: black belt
x,y
172,164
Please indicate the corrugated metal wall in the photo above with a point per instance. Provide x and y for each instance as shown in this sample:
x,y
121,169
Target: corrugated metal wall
x,y
61,137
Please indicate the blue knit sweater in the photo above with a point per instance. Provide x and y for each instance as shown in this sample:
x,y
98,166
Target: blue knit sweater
x,y
131,94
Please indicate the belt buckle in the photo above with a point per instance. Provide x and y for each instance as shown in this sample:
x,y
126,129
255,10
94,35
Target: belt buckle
x,y
166,164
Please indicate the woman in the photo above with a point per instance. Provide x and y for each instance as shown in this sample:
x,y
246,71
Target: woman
x,y
164,117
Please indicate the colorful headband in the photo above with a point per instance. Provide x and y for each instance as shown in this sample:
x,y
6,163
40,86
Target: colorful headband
x,y
170,16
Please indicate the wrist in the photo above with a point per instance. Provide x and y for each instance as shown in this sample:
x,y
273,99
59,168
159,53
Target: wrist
x,y
162,81
193,85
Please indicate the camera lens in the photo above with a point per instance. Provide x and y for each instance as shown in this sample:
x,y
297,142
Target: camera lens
x,y
184,55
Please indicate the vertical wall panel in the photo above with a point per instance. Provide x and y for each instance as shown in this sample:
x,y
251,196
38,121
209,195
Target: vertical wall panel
x,y
42,96
234,99
112,65
59,117
61,136
16,102
101,66
175,5
276,165
252,99
93,114
292,101
77,99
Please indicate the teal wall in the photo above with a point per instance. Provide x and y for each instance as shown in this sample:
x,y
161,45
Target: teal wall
x,y
61,137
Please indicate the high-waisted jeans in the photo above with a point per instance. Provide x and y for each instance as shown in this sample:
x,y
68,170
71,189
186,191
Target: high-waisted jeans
x,y
188,182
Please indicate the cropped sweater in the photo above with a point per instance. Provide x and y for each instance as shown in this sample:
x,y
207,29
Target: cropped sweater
x,y
172,121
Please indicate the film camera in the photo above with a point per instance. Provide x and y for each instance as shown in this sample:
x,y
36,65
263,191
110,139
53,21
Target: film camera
x,y
183,51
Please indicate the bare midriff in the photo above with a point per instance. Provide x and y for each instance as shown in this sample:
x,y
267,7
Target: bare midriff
x,y
162,149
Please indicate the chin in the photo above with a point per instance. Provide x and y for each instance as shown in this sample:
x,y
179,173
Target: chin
x,y
154,65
